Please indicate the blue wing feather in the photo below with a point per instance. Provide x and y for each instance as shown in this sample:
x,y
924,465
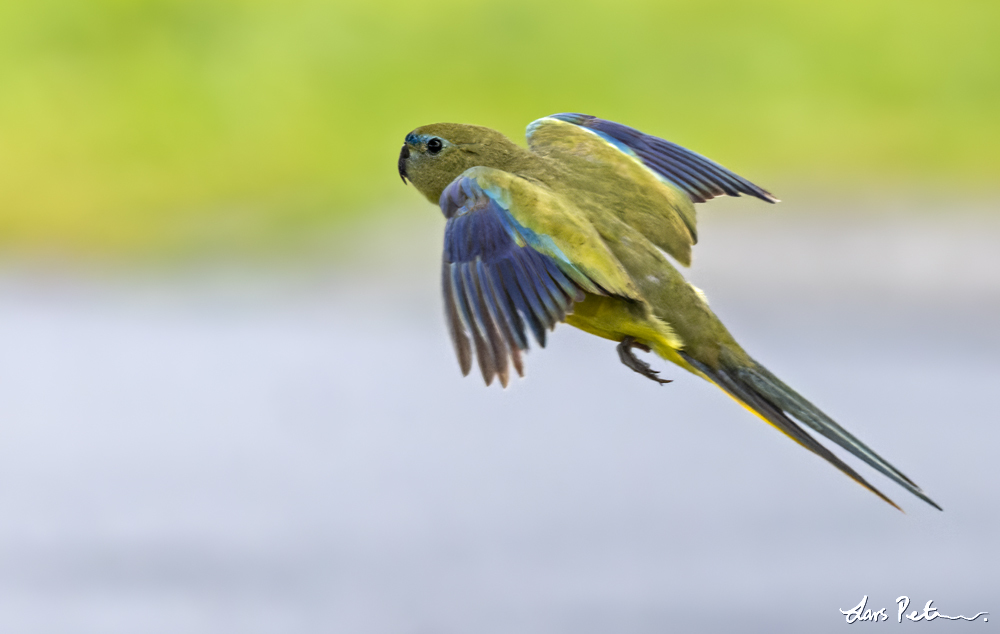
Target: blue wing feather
x,y
572,291
503,308
513,289
458,290
496,280
484,351
455,325
496,348
699,177
507,340
530,291
544,289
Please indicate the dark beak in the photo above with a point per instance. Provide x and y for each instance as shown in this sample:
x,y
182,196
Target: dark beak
x,y
403,155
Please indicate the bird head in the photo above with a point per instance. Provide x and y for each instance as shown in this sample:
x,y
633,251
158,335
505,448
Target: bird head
x,y
434,155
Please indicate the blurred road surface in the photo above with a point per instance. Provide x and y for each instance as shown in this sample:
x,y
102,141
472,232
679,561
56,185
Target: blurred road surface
x,y
240,449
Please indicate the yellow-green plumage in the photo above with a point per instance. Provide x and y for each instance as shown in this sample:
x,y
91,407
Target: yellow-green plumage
x,y
575,229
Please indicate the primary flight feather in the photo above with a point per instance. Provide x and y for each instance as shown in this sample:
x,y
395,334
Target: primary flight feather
x,y
574,229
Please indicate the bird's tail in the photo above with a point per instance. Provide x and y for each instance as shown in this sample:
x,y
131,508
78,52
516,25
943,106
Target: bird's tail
x,y
764,394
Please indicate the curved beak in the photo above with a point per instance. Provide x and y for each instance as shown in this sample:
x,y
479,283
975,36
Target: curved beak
x,y
403,155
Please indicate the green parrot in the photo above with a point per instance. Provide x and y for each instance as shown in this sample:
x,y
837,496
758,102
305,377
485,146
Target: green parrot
x,y
577,229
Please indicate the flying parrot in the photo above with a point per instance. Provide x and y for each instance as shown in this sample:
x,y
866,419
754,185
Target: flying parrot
x,y
574,229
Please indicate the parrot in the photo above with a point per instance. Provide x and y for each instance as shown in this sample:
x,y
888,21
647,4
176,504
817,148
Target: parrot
x,y
580,228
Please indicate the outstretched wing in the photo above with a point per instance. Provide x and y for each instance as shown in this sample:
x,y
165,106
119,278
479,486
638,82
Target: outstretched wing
x,y
647,183
499,277
700,178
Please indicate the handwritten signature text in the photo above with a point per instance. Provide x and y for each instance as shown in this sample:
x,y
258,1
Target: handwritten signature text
x,y
861,613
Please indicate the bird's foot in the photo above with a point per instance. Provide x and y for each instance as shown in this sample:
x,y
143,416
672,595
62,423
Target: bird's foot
x,y
635,363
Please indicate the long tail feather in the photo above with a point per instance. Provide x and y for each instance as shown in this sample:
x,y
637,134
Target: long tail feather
x,y
769,398
810,415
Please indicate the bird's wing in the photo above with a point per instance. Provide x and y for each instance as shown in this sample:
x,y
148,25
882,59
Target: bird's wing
x,y
513,256
664,208
702,179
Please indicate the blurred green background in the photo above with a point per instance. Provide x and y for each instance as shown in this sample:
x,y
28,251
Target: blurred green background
x,y
176,127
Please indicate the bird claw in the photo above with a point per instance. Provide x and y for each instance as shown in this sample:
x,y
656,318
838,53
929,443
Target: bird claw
x,y
636,364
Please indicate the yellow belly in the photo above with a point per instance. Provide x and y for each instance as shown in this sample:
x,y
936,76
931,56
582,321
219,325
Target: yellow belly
x,y
615,318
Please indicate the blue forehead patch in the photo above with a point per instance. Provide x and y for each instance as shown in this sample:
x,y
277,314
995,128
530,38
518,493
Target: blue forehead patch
x,y
418,139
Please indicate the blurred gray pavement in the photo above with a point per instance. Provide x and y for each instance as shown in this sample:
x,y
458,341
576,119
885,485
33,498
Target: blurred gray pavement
x,y
241,449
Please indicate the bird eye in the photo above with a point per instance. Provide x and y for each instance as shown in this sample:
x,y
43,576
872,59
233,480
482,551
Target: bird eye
x,y
434,145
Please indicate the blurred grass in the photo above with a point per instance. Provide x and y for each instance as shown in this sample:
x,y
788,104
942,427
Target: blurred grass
x,y
179,126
